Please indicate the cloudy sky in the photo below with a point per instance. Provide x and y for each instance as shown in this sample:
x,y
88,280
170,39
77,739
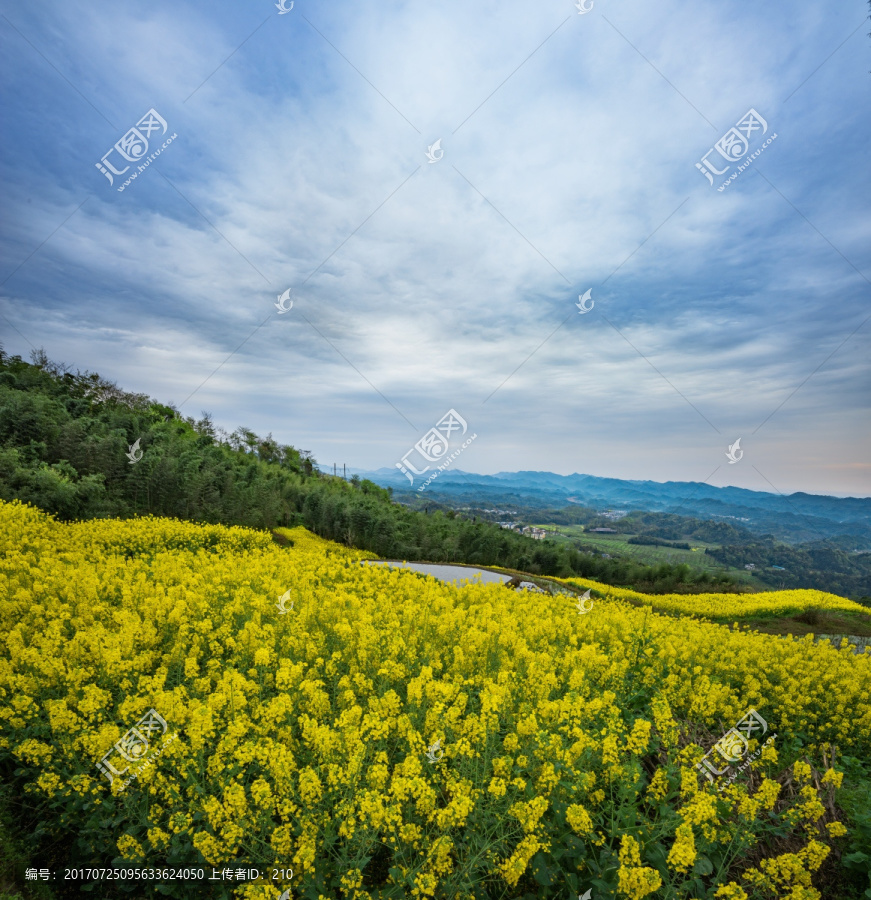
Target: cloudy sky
x,y
566,163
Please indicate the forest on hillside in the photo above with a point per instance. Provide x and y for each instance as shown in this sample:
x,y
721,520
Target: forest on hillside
x,y
66,439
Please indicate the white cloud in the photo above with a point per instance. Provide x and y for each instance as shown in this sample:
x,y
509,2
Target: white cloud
x,y
585,150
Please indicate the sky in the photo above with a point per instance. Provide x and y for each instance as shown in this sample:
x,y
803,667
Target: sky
x,y
439,186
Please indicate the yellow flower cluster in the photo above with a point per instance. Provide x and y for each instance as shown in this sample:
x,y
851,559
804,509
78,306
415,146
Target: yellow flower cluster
x,y
635,881
788,872
303,733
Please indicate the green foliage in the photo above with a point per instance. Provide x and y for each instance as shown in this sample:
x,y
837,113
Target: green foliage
x,y
15,852
854,799
659,542
818,565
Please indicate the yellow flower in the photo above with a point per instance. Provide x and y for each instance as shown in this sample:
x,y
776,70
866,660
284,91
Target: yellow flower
x,y
425,885
286,729
801,770
352,880
769,753
768,793
158,838
832,777
788,870
814,854
261,793
513,867
130,849
410,834
665,723
579,819
440,856
179,822
49,783
528,814
634,880
683,852
658,786
310,787
639,739
497,787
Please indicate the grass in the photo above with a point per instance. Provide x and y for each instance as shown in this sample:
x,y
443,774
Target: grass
x,y
814,621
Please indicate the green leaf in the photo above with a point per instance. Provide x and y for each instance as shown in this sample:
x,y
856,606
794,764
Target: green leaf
x,y
656,854
540,870
703,866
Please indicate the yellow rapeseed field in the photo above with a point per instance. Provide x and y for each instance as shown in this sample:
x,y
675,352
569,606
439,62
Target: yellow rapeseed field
x,y
729,607
567,742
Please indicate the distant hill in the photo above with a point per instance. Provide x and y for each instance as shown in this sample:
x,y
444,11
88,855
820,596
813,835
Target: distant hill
x,y
795,518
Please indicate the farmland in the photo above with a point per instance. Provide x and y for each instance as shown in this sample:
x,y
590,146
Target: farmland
x,y
617,544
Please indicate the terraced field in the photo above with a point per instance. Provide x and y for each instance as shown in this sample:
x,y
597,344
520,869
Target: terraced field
x,y
618,545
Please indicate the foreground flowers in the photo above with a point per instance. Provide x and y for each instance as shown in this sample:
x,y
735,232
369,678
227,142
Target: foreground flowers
x,y
303,736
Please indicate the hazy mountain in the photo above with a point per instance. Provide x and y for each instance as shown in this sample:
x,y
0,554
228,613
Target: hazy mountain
x,y
793,517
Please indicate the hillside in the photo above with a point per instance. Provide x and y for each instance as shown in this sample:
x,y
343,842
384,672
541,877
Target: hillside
x,y
66,442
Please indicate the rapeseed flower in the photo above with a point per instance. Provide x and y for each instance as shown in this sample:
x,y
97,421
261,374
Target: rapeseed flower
x,y
304,733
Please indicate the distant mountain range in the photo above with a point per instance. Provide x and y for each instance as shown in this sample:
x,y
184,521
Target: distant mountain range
x,y
795,517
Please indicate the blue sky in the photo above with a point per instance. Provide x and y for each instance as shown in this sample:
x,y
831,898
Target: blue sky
x,y
570,144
